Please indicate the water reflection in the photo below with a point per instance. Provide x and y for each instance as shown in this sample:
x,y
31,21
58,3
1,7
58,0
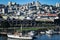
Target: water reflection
x,y
48,37
39,37
3,38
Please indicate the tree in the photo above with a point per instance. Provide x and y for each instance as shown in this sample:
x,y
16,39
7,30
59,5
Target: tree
x,y
5,25
59,15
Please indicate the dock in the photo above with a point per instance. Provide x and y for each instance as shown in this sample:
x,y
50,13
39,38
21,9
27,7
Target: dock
x,y
3,33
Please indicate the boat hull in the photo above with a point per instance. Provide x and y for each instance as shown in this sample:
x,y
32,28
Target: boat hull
x,y
18,37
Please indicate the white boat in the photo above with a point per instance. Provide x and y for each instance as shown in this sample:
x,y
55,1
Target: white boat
x,y
20,36
42,32
31,33
50,32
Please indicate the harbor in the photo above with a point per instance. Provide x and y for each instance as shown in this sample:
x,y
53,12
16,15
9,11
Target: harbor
x,y
29,35
30,20
39,37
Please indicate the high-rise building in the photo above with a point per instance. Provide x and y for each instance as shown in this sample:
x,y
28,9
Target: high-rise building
x,y
9,3
57,4
38,4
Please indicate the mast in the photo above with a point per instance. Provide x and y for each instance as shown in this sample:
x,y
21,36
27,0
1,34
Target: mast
x,y
21,29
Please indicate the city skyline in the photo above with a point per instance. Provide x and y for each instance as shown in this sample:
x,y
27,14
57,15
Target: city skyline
x,y
49,2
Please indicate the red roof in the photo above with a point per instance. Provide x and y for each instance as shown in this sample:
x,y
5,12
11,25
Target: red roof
x,y
52,14
49,14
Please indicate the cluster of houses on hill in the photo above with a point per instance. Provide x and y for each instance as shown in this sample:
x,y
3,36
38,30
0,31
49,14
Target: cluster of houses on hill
x,y
29,11
12,12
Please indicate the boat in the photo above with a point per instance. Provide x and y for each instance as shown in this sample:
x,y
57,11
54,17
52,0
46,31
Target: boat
x,y
31,33
20,36
50,32
42,32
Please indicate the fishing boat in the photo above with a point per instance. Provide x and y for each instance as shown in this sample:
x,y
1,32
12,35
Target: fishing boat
x,y
20,36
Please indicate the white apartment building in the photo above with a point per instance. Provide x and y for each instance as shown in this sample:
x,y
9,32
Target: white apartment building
x,y
57,4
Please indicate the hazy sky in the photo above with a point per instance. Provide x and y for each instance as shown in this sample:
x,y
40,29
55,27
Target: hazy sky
x,y
49,2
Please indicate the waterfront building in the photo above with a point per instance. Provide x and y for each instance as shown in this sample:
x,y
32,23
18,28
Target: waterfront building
x,y
46,16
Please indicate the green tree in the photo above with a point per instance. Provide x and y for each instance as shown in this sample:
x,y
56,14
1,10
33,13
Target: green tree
x,y
5,24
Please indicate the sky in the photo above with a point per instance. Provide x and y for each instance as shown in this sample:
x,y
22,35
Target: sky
x,y
49,2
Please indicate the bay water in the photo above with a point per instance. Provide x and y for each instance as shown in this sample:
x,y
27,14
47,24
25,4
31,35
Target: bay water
x,y
38,37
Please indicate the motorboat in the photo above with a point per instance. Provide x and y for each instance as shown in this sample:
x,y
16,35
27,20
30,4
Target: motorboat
x,y
50,32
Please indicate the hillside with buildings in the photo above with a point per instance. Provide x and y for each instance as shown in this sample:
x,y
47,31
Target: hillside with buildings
x,y
35,11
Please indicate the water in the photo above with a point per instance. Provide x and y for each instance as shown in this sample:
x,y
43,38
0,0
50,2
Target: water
x,y
39,37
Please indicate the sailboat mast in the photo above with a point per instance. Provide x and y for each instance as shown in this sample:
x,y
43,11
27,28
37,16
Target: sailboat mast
x,y
21,28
